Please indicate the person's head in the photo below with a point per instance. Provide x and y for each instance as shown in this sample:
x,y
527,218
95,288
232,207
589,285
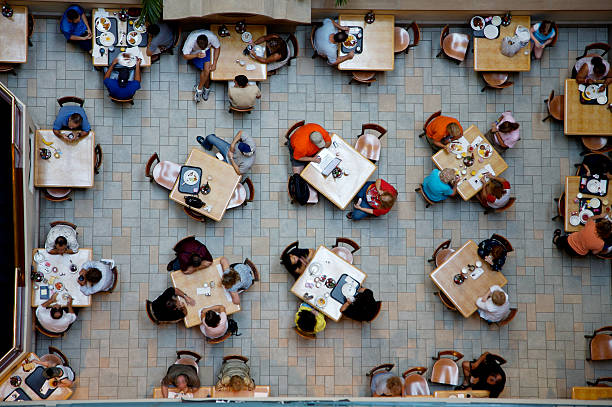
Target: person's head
x,y
291,259
507,127
93,275
495,188
60,244
603,228
245,149
241,81
386,200
454,131
56,311
74,121
340,36
153,29
545,27
599,68
181,382
230,278
447,175
124,77
195,260
202,41
276,45
52,372
73,16
236,383
496,382
317,139
306,321
173,304
394,385
497,252
212,319
498,298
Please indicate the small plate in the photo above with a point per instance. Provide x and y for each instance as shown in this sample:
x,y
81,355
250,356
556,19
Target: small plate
x,y
140,28
351,41
133,38
349,289
321,302
39,257
491,32
190,177
602,100
574,220
477,23
496,20
129,61
103,24
585,215
246,36
314,269
107,39
456,148
594,203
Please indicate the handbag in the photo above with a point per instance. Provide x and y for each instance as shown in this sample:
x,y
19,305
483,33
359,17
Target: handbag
x,y
194,202
232,327
510,46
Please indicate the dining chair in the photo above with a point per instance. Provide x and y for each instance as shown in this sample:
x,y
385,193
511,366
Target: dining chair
x,y
429,119
183,359
560,202
164,173
402,37
295,47
342,252
442,252
600,382
239,197
312,33
253,267
288,249
70,99
248,110
600,344
496,80
130,100
555,106
55,357
8,68
220,339
453,45
595,143
194,215
428,202
414,382
510,317
384,368
31,25
116,277
366,77
505,242
601,46
292,129
99,156
368,144
305,335
448,304
489,210
57,194
445,370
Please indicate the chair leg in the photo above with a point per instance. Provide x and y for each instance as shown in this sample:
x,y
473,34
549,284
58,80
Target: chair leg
x,y
428,205
556,217
483,89
351,81
546,118
421,135
440,53
229,110
417,190
314,54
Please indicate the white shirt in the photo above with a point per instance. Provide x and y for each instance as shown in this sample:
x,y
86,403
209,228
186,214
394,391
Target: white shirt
x,y
54,325
491,312
191,43
322,43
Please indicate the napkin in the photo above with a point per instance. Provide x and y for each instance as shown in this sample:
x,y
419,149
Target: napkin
x,y
101,13
475,180
250,67
203,291
476,141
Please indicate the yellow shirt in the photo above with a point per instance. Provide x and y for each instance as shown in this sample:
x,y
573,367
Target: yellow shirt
x,y
320,324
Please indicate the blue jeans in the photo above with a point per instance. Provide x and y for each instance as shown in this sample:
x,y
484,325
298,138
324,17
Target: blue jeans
x,y
359,214
222,145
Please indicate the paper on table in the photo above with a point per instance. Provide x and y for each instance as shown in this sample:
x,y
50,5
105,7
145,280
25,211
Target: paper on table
x,y
174,395
475,180
476,141
203,291
250,67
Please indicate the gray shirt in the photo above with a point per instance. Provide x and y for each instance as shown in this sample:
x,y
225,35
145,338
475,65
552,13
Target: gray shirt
x,y
243,162
165,38
105,283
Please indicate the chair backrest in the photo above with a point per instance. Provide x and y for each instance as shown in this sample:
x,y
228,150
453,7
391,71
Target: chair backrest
x,y
293,128
596,45
442,246
510,317
253,267
239,357
194,215
149,166
373,126
249,183
312,33
549,100
445,370
443,35
304,335
378,369
601,344
414,382
43,331
99,158
416,34
430,118
63,222
288,248
182,353
296,47
377,313
150,312
554,39
54,197
241,110
220,339
55,351
599,382
116,279
507,206
503,241
561,205
348,241
130,100
446,301
70,99
422,192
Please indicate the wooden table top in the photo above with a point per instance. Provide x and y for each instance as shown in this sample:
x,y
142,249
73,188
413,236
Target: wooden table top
x,y
461,394
488,56
572,185
333,266
340,191
584,120
591,393
258,391
222,185
464,296
74,168
189,283
61,393
202,393
378,43
14,36
231,50
63,275
102,60
442,160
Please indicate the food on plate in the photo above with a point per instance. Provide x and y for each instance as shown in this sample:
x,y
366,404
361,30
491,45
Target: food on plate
x,y
321,301
350,41
132,40
105,23
59,285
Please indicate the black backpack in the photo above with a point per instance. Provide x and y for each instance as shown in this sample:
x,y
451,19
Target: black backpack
x,y
298,189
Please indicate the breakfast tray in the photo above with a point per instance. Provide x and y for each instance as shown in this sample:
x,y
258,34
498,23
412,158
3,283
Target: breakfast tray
x,y
583,186
585,101
336,293
113,29
358,47
143,36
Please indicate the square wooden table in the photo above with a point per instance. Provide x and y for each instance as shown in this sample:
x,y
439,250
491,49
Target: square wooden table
x,y
258,391
584,120
189,284
202,393
222,185
464,296
74,168
340,191
63,275
572,185
442,160
231,50
61,393
378,43
102,59
14,36
333,267
488,56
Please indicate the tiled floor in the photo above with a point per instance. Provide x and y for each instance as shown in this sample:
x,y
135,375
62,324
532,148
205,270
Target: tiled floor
x,y
118,353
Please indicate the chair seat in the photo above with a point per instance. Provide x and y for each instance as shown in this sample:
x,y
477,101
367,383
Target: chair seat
x,y
363,76
495,78
369,146
344,253
556,107
165,173
402,39
455,45
443,255
188,362
594,143
416,385
51,359
59,192
238,198
313,195
445,371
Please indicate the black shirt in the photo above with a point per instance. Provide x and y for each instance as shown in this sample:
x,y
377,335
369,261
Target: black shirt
x,y
364,307
488,367
161,310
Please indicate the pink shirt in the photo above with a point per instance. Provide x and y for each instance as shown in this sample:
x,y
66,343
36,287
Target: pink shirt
x,y
217,331
511,138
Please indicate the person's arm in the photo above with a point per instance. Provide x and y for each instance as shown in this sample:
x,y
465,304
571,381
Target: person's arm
x,y
343,58
235,297
213,66
477,363
184,296
65,382
70,309
41,362
345,305
50,301
149,50
89,32
230,156
137,73
109,71
533,38
378,185
581,76
439,144
338,26
366,210
499,140
265,38
224,264
164,390
315,159
272,58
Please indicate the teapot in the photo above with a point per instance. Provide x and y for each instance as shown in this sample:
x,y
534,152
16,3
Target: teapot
x,y
369,17
240,27
223,31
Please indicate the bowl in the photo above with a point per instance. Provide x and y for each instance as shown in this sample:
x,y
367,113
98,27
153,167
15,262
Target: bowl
x,y
477,23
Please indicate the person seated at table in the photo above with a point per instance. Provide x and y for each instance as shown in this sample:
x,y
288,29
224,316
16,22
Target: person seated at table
x,y
75,27
196,50
504,132
52,317
184,379
243,95
96,276
236,278
240,154
64,375
71,118
592,68
439,185
309,320
235,375
494,305
120,83
169,306
493,252
214,321
442,130
62,239
485,373
326,41
305,143
277,51
161,38
495,193
386,384
589,239
296,260
542,34
191,256
375,198
362,307
596,164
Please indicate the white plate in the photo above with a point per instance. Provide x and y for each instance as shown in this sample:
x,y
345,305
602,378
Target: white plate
x,y
602,100
321,302
103,24
481,151
456,147
140,28
107,39
259,50
133,38
351,41
190,177
314,269
593,186
474,26
594,203
491,31
591,91
247,36
574,220
585,212
129,62
496,20
39,257
349,289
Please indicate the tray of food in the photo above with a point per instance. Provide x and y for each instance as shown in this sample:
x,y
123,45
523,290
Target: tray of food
x,y
106,31
593,94
354,42
136,34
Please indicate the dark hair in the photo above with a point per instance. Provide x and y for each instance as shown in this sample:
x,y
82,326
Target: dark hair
x,y
498,251
93,275
56,312
545,27
507,127
76,119
51,372
72,14
278,45
153,29
61,241
195,260
496,389
241,80
124,77
306,321
202,41
340,36
496,188
599,68
230,278
286,258
212,319
603,228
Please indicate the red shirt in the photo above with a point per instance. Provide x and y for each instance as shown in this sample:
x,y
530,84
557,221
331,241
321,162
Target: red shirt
x,y
188,248
300,140
373,200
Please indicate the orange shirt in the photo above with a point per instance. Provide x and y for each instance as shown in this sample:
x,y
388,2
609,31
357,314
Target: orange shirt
x,y
300,140
436,129
586,240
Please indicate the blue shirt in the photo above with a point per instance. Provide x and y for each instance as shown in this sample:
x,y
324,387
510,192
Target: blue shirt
x,y
322,43
246,278
541,37
434,188
61,121
68,29
118,92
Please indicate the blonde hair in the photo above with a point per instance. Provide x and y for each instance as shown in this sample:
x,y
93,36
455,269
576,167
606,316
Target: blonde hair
x,y
386,199
230,278
236,383
453,130
499,298
394,384
447,175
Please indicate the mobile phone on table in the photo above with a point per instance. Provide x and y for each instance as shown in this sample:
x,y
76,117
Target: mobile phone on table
x,y
44,292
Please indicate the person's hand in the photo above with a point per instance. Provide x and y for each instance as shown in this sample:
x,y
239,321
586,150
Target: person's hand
x,y
213,66
489,259
189,301
317,159
138,61
54,296
351,54
116,60
69,299
357,206
447,148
